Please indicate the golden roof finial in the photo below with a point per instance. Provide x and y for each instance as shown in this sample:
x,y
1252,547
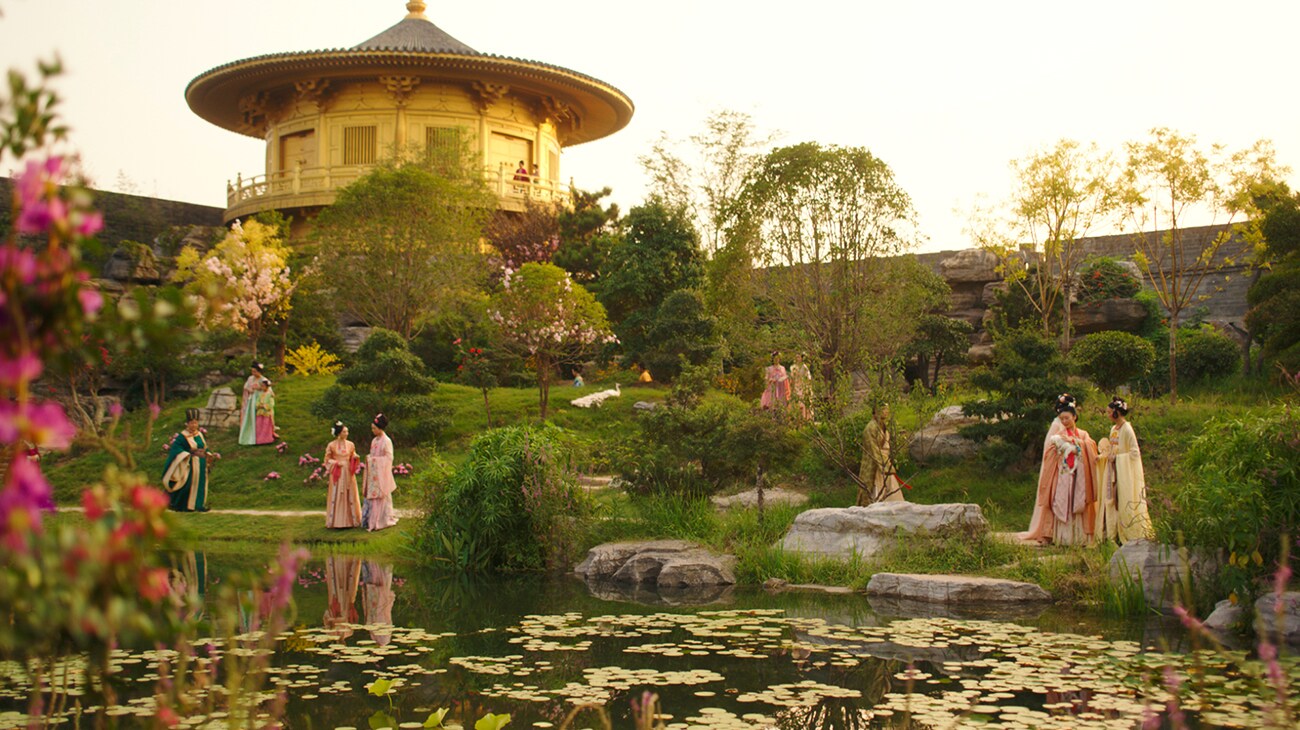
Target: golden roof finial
x,y
415,9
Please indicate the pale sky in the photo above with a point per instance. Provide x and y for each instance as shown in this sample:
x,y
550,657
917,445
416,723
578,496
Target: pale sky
x,y
946,93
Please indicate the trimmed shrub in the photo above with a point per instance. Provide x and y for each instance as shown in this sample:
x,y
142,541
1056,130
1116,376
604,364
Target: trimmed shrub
x,y
1027,373
1113,358
1206,353
1103,278
512,506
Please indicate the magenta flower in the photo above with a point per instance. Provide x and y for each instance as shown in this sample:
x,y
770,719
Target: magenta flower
x,y
20,261
90,223
44,424
271,475
154,410
25,496
115,410
25,368
282,590
91,300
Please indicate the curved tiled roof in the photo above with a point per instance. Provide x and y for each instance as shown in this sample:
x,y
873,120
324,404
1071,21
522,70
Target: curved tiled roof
x,y
415,34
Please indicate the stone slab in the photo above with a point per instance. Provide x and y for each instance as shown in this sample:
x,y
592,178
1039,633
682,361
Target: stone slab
x,y
958,589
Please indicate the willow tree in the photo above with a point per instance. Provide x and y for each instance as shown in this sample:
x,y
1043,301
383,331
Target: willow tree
x,y
828,223
1169,179
1058,195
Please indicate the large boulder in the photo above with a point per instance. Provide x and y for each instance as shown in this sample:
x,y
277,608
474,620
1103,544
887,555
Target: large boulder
x,y
941,437
661,563
962,589
1279,616
133,263
970,265
1161,570
222,410
866,531
1108,314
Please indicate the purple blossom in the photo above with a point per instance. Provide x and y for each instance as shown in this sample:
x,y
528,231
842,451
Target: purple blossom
x,y
25,496
115,409
91,300
25,368
282,590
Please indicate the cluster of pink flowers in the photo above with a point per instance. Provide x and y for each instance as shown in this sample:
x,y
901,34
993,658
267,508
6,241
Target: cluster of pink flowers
x,y
307,460
271,476
282,447
316,475
40,292
402,470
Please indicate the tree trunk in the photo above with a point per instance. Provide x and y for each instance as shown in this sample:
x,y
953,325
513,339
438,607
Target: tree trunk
x,y
543,385
934,382
487,408
1173,358
1066,325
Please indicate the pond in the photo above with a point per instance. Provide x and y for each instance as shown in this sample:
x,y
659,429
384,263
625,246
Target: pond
x,y
537,648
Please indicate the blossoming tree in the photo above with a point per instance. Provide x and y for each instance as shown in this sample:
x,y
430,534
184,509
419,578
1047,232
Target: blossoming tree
x,y
542,315
246,276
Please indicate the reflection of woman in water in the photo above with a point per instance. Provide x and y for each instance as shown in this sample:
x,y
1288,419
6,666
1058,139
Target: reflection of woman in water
x,y
342,575
378,600
188,577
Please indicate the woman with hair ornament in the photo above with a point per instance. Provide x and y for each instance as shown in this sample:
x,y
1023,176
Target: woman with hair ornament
x,y
1123,514
248,406
379,478
343,501
1066,501
185,477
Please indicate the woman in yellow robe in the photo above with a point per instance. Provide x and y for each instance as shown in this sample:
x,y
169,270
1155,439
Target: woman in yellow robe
x,y
876,480
1122,513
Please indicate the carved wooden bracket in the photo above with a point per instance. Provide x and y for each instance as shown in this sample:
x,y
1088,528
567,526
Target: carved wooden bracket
x,y
256,110
314,91
400,87
486,94
556,111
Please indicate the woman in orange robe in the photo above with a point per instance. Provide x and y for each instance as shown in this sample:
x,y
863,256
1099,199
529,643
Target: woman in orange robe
x,y
1066,504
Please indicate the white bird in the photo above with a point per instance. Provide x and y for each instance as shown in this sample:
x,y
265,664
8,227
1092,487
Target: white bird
x,y
595,399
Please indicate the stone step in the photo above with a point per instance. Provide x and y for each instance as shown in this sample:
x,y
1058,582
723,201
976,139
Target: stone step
x,y
964,589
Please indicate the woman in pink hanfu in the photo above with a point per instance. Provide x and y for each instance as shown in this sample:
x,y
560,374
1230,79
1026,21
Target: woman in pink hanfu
x,y
265,414
342,502
379,478
777,393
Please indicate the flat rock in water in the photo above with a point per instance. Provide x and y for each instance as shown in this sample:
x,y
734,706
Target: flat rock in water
x,y
661,563
775,495
842,532
965,589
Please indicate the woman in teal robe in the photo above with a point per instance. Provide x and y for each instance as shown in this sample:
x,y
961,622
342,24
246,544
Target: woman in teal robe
x,y
248,407
186,475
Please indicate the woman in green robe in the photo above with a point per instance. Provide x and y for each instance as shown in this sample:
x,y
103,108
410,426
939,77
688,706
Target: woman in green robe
x,y
186,475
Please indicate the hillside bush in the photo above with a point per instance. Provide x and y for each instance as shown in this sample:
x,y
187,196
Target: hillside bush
x,y
387,378
1113,358
311,359
1205,353
513,506
1027,374
1104,278
1242,494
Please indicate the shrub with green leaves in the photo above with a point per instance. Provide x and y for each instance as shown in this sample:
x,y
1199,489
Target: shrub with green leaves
x,y
513,506
1104,278
1242,493
1112,358
387,378
1027,373
1205,353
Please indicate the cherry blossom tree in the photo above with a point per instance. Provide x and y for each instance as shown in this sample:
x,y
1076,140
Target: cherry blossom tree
x,y
244,281
542,315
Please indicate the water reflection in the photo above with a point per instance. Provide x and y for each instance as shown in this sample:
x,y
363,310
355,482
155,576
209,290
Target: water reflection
x,y
379,598
342,576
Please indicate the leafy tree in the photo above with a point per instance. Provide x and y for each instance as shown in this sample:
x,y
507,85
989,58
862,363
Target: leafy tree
x,y
1103,278
1112,358
939,340
683,331
1168,178
402,239
659,255
542,315
1275,297
245,277
1059,194
530,235
704,174
826,222
587,233
1027,374
387,378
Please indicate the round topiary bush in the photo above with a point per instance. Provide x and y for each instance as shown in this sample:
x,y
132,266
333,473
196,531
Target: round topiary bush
x,y
1112,358
1206,353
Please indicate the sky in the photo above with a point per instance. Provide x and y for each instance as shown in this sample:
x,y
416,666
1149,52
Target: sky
x,y
946,93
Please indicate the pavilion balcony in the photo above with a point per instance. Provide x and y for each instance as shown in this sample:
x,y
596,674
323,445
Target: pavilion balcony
x,y
315,187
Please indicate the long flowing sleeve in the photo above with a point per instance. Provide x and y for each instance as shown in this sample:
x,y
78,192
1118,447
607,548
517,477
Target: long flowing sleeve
x,y
379,469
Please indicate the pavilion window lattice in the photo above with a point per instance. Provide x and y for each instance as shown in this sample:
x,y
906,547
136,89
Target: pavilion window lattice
x,y
442,146
360,145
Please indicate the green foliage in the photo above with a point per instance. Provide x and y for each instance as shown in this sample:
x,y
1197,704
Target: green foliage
x,y
312,359
1205,354
1112,358
700,449
1026,376
659,255
1241,494
158,352
1016,306
1275,298
587,233
401,240
1103,278
939,340
683,331
387,378
512,506
464,317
